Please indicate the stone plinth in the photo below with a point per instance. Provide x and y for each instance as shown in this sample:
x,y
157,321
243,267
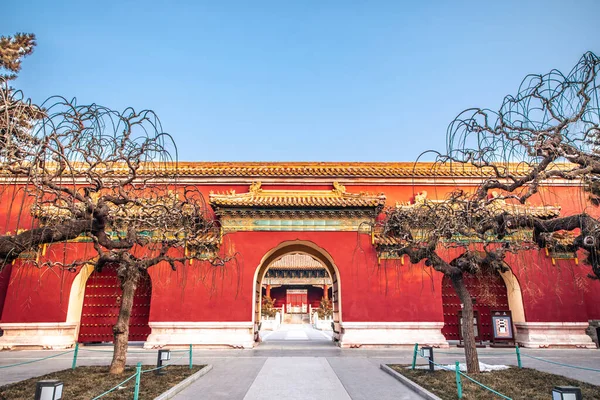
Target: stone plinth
x,y
38,335
553,334
206,334
389,334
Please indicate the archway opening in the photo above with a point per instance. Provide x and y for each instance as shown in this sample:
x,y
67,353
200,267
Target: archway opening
x,y
101,302
301,283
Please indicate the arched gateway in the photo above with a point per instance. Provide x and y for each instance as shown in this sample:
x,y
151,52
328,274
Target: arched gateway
x,y
302,247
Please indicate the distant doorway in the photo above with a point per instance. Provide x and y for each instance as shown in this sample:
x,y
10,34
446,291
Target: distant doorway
x,y
298,285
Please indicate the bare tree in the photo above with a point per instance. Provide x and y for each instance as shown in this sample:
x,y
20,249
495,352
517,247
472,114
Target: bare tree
x,y
17,116
549,130
110,177
16,112
86,171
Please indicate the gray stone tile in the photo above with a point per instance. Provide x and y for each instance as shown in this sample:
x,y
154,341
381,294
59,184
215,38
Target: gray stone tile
x,y
229,379
365,380
304,378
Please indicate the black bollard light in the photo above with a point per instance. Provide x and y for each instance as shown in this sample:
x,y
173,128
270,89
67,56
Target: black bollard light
x,y
566,393
163,355
427,352
48,390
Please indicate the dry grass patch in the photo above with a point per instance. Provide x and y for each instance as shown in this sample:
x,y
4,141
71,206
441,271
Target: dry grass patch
x,y
89,382
524,383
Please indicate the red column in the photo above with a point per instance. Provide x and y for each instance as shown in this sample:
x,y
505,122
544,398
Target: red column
x,y
325,292
268,293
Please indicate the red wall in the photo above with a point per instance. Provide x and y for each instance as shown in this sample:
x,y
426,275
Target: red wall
x,y
4,281
369,291
560,292
278,294
314,296
41,294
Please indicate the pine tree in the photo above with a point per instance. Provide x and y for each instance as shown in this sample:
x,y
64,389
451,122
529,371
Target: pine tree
x,y
17,114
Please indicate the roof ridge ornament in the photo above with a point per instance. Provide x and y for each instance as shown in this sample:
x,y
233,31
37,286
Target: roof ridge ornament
x,y
255,187
339,189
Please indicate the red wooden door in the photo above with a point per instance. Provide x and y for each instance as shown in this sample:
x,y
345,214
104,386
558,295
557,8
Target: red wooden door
x,y
295,299
489,293
101,307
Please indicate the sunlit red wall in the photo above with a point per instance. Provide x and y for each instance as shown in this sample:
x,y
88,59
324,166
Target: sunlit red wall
x,y
4,281
370,291
41,294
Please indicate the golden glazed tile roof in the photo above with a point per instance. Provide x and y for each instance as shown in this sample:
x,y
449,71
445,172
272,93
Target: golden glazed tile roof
x,y
336,198
383,240
334,170
210,238
496,205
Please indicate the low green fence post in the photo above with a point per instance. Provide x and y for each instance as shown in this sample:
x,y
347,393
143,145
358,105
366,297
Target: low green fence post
x,y
518,356
191,356
138,372
458,382
415,355
74,365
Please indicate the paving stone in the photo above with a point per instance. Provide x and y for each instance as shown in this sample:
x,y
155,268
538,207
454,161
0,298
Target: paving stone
x,y
287,368
305,378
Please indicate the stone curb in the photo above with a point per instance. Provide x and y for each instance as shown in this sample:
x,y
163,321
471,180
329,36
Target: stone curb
x,y
426,394
169,394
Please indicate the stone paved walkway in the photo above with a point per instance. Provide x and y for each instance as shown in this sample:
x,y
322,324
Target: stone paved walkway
x,y
289,366
297,378
297,362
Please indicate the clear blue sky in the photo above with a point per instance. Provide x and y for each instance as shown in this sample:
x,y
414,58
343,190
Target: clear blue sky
x,y
301,80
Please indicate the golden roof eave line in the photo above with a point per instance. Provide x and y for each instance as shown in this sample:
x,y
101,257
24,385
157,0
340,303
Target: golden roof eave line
x,y
336,170
334,198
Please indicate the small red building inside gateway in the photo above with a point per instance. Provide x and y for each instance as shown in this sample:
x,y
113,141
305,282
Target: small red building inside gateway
x,y
300,233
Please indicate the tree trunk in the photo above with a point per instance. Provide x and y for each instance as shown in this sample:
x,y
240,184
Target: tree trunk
x,y
129,275
468,332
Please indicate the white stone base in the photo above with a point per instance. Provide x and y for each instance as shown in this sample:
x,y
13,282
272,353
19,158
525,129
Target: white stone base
x,y
36,335
269,325
553,334
391,334
323,324
206,334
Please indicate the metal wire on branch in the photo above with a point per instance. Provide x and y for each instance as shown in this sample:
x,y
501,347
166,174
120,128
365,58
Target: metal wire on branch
x,y
549,130
111,177
109,180
102,178
553,118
